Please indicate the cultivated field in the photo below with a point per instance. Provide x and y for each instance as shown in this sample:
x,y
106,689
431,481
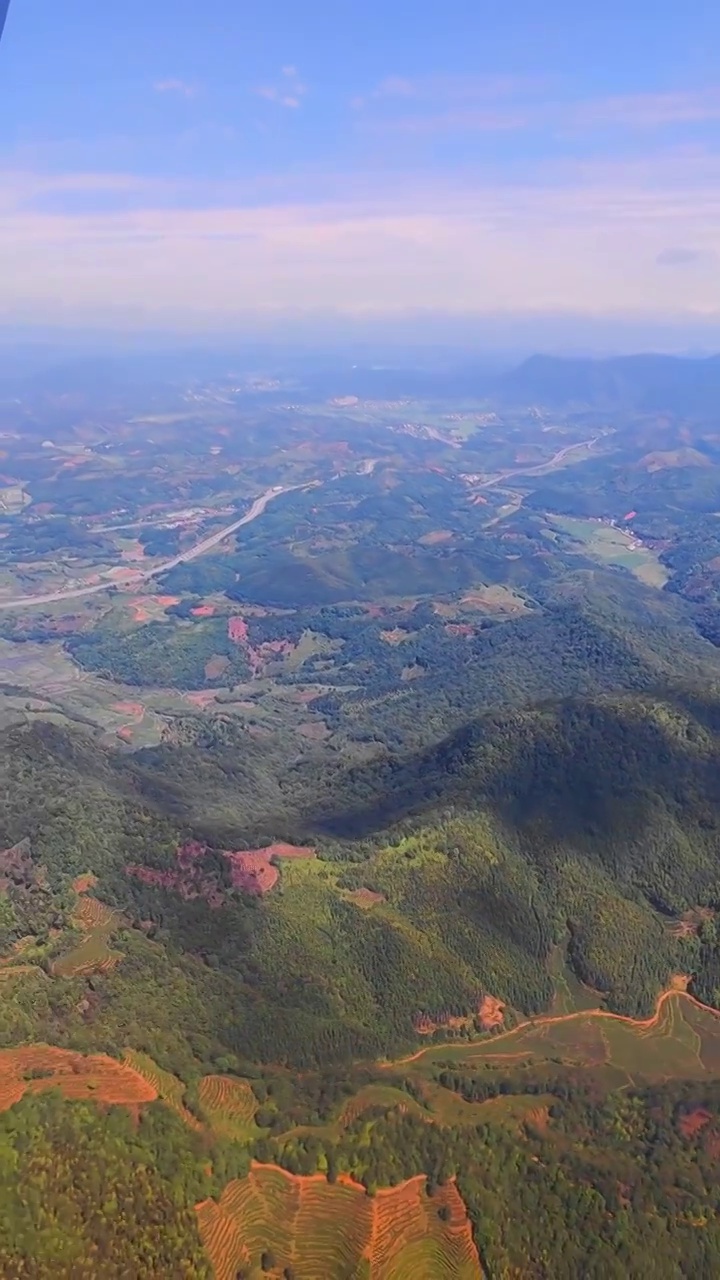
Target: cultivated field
x,y
324,1230
230,1107
93,954
615,547
97,1077
165,1086
681,1039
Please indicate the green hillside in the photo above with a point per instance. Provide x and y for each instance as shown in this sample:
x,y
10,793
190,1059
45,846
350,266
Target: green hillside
x,y
587,819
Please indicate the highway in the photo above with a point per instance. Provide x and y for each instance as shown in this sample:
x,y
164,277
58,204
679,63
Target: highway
x,y
541,467
144,575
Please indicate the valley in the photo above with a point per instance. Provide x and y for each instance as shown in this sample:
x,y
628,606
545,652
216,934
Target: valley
x,y
359,760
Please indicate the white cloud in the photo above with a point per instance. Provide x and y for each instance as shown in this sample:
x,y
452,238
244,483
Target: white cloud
x,y
652,110
591,240
287,92
182,87
444,104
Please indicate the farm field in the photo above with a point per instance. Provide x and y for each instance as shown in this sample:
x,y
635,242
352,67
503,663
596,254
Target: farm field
x,y
96,1077
324,1230
164,1084
230,1106
93,954
680,1040
613,546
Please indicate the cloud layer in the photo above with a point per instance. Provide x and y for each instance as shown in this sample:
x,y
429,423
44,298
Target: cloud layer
x,y
462,195
597,238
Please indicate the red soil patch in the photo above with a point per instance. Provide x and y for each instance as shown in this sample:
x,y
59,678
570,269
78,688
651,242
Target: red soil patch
x,y
186,878
135,709
491,1013
142,606
83,884
459,629
203,611
424,1025
237,630
91,914
96,1076
693,1122
125,733
538,1120
375,1231
689,923
201,698
314,730
413,672
252,870
259,654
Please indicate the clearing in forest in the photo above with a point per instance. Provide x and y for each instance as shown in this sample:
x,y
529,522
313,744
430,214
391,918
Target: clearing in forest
x,y
97,1077
255,870
681,1039
165,1085
98,923
321,1229
610,545
230,1107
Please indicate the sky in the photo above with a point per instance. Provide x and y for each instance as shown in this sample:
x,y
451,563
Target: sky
x,y
215,165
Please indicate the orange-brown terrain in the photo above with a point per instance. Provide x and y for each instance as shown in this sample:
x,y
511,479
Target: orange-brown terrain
x,y
366,898
490,1014
693,1122
325,1230
254,870
97,1077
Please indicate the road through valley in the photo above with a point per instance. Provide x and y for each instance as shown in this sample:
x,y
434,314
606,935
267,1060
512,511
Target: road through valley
x,y
144,575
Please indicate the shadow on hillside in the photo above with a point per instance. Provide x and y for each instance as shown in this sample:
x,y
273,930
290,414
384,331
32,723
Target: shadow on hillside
x,y
575,774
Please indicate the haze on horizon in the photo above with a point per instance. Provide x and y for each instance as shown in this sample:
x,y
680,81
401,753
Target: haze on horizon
x,y
547,172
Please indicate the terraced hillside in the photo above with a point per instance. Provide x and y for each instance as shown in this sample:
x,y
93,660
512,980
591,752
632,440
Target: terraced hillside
x,y
320,1229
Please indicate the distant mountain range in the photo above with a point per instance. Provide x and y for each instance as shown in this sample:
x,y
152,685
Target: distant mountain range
x,y
645,383
642,382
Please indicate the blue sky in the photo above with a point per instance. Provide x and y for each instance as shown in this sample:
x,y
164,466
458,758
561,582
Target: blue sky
x,y
222,163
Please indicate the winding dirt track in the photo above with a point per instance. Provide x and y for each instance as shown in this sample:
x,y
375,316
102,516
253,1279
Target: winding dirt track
x,y
640,1024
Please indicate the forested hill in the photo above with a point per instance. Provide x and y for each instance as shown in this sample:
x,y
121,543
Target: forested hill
x,y
577,762
598,816
589,821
